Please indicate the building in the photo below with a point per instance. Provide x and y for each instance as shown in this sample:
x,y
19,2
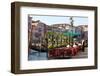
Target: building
x,y
84,31
37,33
29,29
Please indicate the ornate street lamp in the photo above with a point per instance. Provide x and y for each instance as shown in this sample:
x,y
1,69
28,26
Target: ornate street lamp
x,y
71,23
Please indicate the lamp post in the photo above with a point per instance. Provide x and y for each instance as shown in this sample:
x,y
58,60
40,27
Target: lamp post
x,y
71,23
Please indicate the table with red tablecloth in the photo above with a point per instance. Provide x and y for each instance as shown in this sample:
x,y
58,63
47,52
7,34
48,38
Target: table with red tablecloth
x,y
63,52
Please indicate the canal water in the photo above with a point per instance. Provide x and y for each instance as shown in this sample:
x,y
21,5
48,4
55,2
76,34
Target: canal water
x,y
35,55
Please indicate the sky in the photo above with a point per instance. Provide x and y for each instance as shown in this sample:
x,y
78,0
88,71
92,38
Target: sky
x,y
49,20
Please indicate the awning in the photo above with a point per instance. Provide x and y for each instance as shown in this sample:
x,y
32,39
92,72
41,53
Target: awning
x,y
72,34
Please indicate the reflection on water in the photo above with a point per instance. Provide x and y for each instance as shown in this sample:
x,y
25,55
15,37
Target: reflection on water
x,y
35,55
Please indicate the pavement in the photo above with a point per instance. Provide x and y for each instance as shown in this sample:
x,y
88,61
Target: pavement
x,y
81,54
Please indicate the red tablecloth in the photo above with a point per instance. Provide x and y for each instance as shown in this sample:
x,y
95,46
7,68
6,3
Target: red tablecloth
x,y
62,52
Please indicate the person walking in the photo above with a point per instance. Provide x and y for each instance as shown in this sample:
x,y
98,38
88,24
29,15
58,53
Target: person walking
x,y
83,45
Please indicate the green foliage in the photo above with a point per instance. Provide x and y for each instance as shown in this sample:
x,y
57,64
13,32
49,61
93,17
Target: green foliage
x,y
56,39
